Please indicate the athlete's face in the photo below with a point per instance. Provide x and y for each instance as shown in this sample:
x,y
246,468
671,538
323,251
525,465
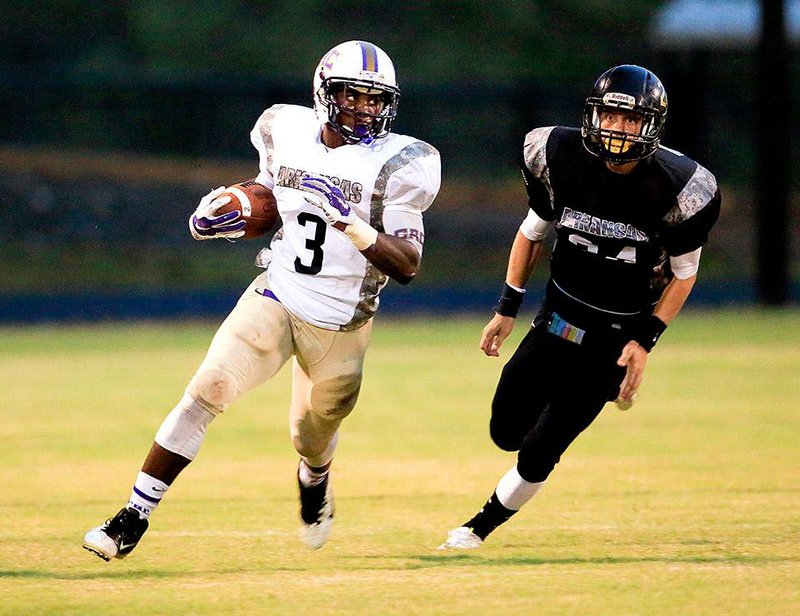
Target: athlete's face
x,y
620,121
358,106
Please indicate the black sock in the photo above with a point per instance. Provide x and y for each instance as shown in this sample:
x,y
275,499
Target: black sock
x,y
490,517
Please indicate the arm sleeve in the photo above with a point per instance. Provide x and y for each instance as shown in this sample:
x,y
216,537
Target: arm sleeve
x,y
686,265
534,227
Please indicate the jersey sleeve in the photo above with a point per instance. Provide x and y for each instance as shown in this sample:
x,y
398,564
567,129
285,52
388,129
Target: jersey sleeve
x,y
413,178
536,173
406,225
413,181
261,138
687,224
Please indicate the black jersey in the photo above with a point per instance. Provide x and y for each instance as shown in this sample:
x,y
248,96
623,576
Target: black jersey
x,y
615,232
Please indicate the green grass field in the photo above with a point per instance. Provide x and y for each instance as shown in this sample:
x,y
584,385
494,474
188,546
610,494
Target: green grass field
x,y
689,503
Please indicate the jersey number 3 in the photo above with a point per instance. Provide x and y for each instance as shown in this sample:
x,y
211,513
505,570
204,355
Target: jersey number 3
x,y
314,244
627,254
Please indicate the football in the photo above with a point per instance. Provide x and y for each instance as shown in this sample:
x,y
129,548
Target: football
x,y
257,205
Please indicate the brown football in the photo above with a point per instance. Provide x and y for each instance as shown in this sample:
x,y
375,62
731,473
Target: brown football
x,y
257,205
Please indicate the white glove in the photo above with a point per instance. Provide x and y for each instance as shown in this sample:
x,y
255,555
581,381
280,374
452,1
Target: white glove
x,y
204,225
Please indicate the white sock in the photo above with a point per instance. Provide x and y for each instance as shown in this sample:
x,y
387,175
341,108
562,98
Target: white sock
x,y
309,477
513,491
146,494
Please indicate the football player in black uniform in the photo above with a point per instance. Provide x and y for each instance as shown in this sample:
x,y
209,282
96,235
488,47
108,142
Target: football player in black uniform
x,y
630,219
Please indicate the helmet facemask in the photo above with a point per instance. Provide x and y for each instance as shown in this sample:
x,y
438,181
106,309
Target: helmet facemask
x,y
618,146
376,126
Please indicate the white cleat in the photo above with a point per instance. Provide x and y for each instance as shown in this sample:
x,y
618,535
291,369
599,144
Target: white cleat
x,y
316,535
100,544
461,538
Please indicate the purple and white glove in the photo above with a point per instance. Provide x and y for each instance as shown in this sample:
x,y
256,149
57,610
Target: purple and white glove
x,y
205,225
325,195
329,198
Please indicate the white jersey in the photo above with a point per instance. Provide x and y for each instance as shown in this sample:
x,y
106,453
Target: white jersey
x,y
316,272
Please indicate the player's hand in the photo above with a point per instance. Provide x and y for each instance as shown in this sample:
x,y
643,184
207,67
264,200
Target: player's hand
x,y
495,333
328,197
633,358
205,225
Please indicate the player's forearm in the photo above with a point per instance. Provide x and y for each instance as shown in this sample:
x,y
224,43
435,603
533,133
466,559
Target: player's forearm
x,y
522,260
673,298
649,328
395,257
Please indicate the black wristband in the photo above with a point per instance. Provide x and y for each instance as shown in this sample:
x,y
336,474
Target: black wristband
x,y
648,330
510,301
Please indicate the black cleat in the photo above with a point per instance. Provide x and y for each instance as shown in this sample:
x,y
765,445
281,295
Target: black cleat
x,y
117,537
316,511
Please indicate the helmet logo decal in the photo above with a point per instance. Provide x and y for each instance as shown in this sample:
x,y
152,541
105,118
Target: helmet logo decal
x,y
369,57
618,99
329,59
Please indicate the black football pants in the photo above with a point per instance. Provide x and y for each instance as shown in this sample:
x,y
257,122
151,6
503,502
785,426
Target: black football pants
x,y
549,392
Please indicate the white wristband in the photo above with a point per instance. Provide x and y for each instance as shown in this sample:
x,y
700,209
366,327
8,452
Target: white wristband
x,y
361,234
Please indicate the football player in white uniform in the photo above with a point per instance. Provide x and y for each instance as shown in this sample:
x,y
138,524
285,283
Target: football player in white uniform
x,y
351,195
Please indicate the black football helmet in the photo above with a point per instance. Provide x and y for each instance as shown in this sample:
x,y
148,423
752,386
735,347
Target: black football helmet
x,y
630,88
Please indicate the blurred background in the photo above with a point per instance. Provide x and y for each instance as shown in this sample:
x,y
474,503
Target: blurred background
x,y
118,116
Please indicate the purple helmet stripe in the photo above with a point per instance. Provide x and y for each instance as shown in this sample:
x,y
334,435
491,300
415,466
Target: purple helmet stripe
x,y
369,57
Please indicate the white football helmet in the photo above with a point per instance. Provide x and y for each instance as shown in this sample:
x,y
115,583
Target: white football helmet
x,y
364,67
